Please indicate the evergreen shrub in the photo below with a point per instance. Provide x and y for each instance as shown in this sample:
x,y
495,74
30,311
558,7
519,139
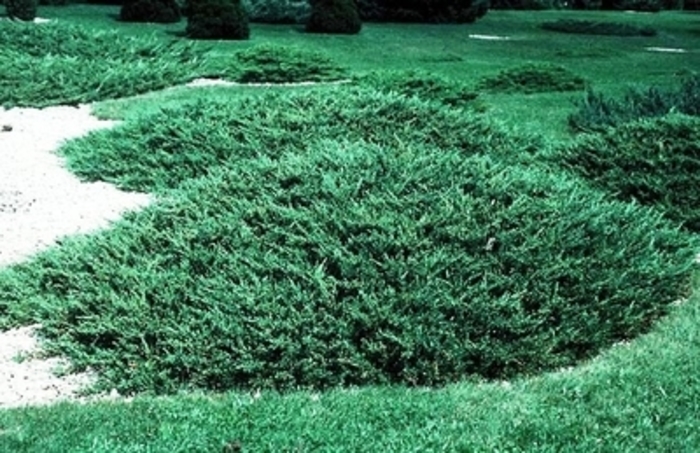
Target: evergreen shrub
x,y
161,11
217,19
533,78
57,63
278,11
269,63
24,10
590,27
164,150
597,112
355,264
655,162
334,16
460,11
423,85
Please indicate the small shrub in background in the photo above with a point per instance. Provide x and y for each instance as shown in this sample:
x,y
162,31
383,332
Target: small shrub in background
x,y
655,162
334,16
160,11
278,11
597,112
589,27
269,63
423,85
21,9
533,78
217,19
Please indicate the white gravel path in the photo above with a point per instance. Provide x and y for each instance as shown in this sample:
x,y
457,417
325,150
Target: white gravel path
x,y
40,202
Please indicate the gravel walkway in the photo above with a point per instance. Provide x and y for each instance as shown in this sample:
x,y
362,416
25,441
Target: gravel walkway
x,y
40,202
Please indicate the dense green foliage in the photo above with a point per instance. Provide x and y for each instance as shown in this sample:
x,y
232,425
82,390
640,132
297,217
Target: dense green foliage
x,y
163,11
21,9
423,85
161,151
334,16
590,27
655,162
217,19
56,63
321,240
533,78
268,63
278,11
597,112
459,11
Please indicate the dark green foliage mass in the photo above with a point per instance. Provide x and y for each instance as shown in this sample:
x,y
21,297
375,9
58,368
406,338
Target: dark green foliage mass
x,y
21,9
423,85
57,63
460,11
655,162
163,11
354,264
597,112
267,63
534,78
217,19
334,16
590,27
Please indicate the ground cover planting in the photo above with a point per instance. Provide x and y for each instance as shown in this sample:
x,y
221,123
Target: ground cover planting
x,y
589,27
533,78
393,263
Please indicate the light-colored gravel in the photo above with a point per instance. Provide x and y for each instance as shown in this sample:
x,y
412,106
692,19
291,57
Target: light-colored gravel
x,y
40,202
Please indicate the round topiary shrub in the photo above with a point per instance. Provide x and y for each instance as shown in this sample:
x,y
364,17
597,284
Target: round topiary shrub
x,y
161,11
334,16
217,19
533,78
21,9
655,162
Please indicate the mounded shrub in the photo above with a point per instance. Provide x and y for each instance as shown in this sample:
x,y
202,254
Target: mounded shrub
x,y
161,11
21,9
590,27
533,78
334,16
355,264
423,85
655,162
597,112
460,11
278,11
217,19
164,150
269,63
56,63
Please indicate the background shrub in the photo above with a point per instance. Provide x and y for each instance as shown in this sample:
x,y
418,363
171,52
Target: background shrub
x,y
423,85
334,16
163,11
589,27
57,63
655,162
164,150
278,11
597,112
460,11
355,264
217,19
268,63
533,78
21,9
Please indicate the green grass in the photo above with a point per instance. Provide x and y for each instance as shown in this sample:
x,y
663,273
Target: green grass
x,y
640,396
